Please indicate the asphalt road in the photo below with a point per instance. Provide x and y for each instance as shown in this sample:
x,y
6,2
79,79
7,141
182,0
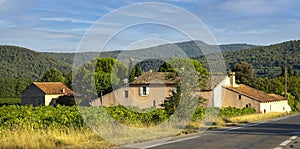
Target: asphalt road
x,y
277,133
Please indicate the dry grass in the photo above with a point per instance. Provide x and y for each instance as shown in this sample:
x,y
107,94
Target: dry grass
x,y
86,138
51,139
68,138
219,122
225,121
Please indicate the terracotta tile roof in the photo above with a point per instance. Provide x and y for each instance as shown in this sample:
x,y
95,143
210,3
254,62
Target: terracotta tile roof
x,y
53,88
154,77
255,94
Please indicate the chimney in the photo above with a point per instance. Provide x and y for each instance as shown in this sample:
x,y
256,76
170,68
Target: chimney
x,y
232,79
63,90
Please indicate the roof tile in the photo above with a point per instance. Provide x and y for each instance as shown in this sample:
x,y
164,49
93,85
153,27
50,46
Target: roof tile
x,y
255,94
53,88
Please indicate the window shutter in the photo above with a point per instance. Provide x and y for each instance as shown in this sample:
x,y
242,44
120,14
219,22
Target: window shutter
x,y
147,90
140,90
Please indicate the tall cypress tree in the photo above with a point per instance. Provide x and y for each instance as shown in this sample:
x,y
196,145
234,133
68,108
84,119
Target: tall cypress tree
x,y
131,72
138,70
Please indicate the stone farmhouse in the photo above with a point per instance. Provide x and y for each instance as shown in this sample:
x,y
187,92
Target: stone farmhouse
x,y
152,88
42,93
226,93
148,90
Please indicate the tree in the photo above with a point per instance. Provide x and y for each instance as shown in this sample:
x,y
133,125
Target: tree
x,y
296,73
183,99
166,67
68,78
105,82
53,75
111,66
185,65
244,73
138,70
290,71
105,76
171,103
131,72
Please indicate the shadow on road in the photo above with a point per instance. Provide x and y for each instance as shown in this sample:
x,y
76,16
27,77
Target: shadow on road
x,y
271,128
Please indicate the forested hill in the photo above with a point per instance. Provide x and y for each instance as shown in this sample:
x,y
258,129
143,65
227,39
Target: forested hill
x,y
18,62
190,48
266,60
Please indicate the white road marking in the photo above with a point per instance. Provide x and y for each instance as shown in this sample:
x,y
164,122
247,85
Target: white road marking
x,y
229,129
286,142
293,137
169,142
234,128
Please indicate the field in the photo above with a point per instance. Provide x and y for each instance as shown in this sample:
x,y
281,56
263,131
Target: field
x,y
65,127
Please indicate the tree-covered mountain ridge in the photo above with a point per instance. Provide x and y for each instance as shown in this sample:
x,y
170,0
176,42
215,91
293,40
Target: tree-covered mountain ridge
x,y
19,62
165,51
267,60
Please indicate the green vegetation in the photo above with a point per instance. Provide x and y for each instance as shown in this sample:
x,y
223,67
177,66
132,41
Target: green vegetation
x,y
134,71
20,67
104,73
61,117
10,89
17,62
53,75
266,60
190,48
10,101
64,127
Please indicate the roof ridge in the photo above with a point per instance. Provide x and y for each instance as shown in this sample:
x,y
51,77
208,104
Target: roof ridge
x,y
258,95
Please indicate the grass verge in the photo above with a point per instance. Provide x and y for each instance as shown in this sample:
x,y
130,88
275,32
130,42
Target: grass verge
x,y
86,138
51,139
225,121
220,122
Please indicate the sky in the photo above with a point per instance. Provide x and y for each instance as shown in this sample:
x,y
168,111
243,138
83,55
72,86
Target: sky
x,y
93,25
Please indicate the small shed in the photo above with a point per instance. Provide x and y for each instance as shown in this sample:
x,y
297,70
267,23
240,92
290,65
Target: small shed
x,y
42,93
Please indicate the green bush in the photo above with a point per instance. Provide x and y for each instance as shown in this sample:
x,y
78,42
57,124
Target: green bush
x,y
47,117
232,111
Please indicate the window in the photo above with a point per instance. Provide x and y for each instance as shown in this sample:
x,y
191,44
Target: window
x,y
126,94
144,91
248,105
174,89
240,97
283,108
154,104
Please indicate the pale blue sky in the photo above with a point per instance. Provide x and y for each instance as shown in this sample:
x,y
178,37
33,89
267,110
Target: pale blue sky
x,y
59,25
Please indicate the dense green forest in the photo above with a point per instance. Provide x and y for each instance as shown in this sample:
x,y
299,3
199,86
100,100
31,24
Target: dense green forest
x,y
20,66
190,48
266,60
18,62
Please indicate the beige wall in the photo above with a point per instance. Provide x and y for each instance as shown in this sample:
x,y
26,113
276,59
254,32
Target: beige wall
x,y
279,106
48,98
231,99
208,95
157,94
